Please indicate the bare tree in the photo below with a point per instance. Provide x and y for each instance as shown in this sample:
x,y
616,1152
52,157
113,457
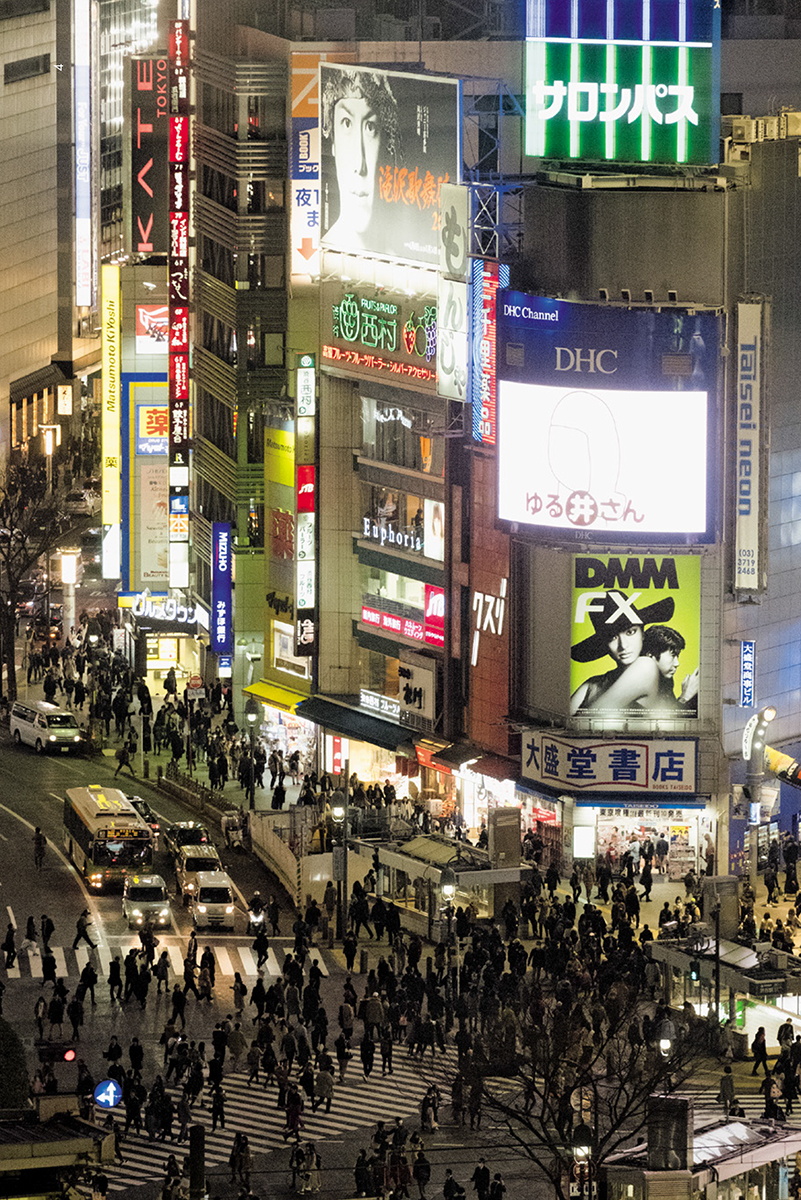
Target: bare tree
x,y
30,526
581,1064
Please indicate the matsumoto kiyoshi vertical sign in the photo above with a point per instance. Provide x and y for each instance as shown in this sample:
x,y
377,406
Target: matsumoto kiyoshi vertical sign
x,y
221,590
749,404
623,82
635,636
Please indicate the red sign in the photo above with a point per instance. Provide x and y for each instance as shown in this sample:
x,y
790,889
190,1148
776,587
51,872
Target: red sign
x,y
435,616
179,66
336,756
179,376
179,329
487,351
179,139
305,489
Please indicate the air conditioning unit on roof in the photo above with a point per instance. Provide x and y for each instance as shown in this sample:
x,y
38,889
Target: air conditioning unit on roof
x,y
744,129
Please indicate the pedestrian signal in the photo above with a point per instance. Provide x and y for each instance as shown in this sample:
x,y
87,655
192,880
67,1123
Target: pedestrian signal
x,y
695,970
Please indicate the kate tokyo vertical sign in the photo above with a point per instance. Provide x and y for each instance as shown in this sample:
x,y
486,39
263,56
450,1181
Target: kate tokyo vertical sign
x,y
748,421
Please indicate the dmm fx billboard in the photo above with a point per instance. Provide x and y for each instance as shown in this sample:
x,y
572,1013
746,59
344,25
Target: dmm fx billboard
x,y
610,764
749,421
221,589
635,636
586,396
622,82
390,140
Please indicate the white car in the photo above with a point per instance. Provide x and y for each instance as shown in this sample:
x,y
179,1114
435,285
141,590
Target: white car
x,y
145,898
77,504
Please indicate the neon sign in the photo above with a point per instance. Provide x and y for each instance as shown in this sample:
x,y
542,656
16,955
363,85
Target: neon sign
x,y
624,83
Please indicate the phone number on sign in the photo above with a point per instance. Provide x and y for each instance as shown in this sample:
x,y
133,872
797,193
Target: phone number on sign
x,y
354,358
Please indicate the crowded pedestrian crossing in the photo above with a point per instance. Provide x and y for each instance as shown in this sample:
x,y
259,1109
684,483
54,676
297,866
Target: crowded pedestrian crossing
x,y
230,956
358,1103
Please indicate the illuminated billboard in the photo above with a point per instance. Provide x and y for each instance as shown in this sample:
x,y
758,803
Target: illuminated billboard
x,y
391,337
111,408
635,636
152,328
622,82
148,207
222,600
589,398
390,140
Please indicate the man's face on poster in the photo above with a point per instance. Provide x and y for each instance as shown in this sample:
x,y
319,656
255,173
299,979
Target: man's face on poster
x,y
356,146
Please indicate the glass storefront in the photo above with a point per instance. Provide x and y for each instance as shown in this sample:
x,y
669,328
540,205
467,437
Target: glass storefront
x,y
608,830
280,730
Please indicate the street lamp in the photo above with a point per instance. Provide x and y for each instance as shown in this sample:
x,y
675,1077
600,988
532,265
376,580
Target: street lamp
x,y
583,1145
51,440
339,813
252,713
447,883
94,638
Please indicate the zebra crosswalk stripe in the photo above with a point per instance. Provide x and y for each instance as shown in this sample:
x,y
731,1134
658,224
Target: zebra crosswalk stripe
x,y
230,958
252,1110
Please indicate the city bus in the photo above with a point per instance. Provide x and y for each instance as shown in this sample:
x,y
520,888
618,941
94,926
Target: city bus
x,y
105,836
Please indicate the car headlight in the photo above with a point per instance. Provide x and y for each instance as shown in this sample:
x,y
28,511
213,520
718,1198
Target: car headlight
x,y
201,908
190,887
229,908
52,737
137,912
76,737
165,912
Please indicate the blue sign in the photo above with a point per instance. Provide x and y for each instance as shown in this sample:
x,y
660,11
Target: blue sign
x,y
108,1094
747,674
221,589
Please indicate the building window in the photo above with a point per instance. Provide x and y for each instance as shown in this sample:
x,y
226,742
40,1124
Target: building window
x,y
403,436
22,8
26,68
731,104
284,652
403,521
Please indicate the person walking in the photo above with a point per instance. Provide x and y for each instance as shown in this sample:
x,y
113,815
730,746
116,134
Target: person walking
x,y
39,846
9,946
217,1108
48,929
480,1180
759,1050
82,930
421,1171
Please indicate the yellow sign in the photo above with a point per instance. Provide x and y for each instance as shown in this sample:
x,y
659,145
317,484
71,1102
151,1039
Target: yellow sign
x,y
111,404
279,457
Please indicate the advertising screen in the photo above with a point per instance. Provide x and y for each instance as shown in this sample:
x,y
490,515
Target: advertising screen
x,y
152,328
623,82
589,400
389,142
635,636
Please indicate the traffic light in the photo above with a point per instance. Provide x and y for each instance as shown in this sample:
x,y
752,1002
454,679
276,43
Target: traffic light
x,y
695,970
56,1052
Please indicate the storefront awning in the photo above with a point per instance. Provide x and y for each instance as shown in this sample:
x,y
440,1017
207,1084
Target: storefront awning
x,y
356,725
496,767
457,755
278,697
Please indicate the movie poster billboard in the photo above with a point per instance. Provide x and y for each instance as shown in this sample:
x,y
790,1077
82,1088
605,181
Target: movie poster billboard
x,y
389,141
635,636
585,394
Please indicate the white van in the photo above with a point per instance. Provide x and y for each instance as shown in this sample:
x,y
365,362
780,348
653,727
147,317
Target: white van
x,y
44,726
212,903
144,898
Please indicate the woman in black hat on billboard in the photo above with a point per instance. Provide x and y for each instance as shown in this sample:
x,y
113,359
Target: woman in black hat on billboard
x,y
619,628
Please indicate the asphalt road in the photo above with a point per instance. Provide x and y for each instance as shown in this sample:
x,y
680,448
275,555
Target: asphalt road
x,y
31,793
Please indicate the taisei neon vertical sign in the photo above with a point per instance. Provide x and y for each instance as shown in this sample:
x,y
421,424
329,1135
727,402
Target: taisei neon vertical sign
x,y
179,303
623,82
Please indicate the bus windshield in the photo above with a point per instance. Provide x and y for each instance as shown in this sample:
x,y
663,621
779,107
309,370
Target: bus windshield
x,y
109,852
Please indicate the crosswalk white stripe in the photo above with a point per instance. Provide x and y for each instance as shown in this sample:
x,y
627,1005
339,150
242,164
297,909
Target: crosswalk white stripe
x,y
81,957
35,965
223,961
248,960
176,959
273,966
13,972
61,962
105,955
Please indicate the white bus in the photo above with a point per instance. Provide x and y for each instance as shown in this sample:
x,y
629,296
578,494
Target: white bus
x,y
105,836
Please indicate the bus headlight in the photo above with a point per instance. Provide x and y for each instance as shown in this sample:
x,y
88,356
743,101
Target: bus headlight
x,y
52,737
